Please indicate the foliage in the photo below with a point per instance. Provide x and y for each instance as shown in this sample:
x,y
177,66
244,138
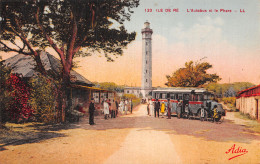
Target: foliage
x,y
5,98
72,28
135,100
18,107
110,86
129,96
43,98
228,90
192,75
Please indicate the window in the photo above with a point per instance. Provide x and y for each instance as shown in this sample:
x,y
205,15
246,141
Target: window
x,y
146,52
146,71
186,97
146,61
146,43
127,91
164,95
146,80
157,95
172,96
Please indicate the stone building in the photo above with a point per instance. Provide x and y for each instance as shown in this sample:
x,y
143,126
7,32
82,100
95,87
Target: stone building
x,y
133,90
247,101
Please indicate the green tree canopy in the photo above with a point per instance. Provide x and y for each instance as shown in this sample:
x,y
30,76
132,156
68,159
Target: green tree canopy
x,y
70,27
192,75
111,86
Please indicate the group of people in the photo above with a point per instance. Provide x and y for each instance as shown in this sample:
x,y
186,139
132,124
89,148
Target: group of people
x,y
156,108
111,108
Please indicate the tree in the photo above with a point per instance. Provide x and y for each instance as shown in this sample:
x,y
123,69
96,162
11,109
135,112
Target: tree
x,y
192,75
71,27
228,89
110,86
5,73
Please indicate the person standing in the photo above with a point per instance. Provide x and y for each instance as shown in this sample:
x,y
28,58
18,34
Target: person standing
x,y
131,105
151,107
169,107
91,112
215,113
113,109
126,106
117,107
156,108
148,109
162,108
106,109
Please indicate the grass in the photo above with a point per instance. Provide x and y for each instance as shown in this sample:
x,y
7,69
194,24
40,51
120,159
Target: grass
x,y
253,124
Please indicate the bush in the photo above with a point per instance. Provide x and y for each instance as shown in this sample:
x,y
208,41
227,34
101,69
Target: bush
x,y
136,101
18,108
229,100
43,98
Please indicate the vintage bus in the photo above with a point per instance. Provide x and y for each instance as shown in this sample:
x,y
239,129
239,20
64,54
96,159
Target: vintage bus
x,y
191,98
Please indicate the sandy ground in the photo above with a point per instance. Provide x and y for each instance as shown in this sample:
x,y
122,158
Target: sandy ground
x,y
138,138
145,146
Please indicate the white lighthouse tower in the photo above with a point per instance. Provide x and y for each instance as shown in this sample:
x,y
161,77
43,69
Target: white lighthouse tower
x,y
146,87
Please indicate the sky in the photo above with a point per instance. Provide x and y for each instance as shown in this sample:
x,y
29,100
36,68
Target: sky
x,y
229,41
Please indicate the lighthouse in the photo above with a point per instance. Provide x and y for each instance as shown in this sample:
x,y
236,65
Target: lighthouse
x,y
146,86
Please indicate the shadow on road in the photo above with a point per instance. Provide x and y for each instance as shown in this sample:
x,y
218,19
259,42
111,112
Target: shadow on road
x,y
32,133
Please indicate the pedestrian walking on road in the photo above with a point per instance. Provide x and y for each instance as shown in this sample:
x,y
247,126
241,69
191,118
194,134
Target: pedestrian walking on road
x,y
106,109
91,112
169,107
156,108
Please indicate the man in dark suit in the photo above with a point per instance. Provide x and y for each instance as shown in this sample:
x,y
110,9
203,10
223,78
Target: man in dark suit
x,y
91,112
156,108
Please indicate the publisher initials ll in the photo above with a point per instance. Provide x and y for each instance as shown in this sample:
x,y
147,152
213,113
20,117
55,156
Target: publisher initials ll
x,y
239,151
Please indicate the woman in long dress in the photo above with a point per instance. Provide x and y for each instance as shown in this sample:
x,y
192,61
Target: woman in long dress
x,y
106,109
151,108
163,109
126,106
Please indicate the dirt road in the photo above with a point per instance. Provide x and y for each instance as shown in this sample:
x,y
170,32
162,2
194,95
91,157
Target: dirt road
x,y
138,138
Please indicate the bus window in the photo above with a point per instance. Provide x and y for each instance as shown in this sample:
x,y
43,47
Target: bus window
x,y
157,95
164,96
200,97
168,95
194,97
172,96
186,97
180,96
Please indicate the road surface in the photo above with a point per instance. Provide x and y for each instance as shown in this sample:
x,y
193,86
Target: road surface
x,y
137,138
